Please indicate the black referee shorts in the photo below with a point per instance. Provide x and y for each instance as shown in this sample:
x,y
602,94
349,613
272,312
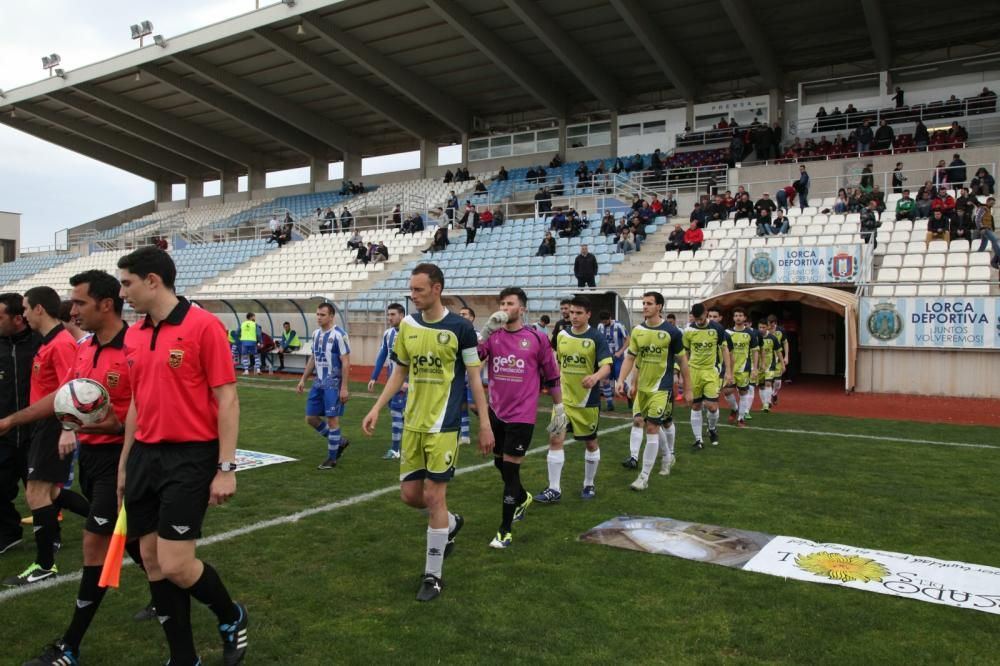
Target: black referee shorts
x,y
99,483
512,439
167,488
44,463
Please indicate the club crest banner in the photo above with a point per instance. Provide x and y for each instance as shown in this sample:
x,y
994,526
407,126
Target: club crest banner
x,y
830,264
936,322
951,583
253,459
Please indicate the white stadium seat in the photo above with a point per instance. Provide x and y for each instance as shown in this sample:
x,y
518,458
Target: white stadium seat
x,y
954,274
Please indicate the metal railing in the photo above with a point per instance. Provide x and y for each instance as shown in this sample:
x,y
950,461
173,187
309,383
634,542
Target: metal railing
x,y
970,106
682,179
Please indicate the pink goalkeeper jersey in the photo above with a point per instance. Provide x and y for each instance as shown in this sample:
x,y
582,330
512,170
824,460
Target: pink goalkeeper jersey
x,y
519,363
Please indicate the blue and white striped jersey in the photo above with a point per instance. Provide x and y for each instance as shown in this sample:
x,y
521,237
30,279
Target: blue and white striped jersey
x,y
615,334
327,348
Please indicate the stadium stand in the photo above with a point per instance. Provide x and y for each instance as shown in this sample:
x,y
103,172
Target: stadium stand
x,y
26,266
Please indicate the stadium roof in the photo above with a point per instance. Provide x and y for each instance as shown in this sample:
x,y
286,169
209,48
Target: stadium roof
x,y
311,80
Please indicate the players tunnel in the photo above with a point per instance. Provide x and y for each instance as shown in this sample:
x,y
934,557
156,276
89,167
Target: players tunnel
x,y
272,312
822,325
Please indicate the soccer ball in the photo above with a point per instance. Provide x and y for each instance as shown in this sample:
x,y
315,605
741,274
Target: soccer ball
x,y
81,402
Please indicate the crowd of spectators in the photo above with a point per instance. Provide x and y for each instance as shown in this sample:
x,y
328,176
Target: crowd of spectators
x,y
460,175
348,187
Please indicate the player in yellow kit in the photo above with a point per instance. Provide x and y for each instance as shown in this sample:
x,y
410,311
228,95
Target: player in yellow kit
x,y
745,361
703,341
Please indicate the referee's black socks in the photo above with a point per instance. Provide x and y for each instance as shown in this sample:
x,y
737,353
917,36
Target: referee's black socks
x,y
45,523
173,610
210,591
88,600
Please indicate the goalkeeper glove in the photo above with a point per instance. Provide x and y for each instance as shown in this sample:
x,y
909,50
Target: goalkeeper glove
x,y
557,423
496,320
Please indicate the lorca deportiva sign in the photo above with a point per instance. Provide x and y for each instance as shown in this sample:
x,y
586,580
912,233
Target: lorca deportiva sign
x,y
939,322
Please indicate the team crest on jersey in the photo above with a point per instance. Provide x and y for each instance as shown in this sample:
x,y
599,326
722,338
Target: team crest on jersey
x,y
176,358
524,344
661,335
884,322
761,267
36,367
112,378
442,337
842,267
586,344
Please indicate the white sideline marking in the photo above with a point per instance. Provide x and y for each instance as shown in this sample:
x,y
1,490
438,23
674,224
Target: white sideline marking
x,y
12,593
848,435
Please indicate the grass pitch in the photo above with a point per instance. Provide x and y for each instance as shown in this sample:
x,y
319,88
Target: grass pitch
x,y
338,586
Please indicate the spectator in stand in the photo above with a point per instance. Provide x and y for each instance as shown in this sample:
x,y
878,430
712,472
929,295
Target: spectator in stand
x,y
898,98
328,222
938,227
470,218
864,136
716,210
763,210
656,205
558,189
354,242
625,242
779,225
531,175
585,268
693,237
744,207
675,241
878,196
728,202
381,253
397,217
451,206
776,136
697,215
638,228
502,174
867,179
982,183
962,226
413,224
547,247
921,137
480,188
986,227
498,217
608,224
362,255
582,175
906,207
670,205
943,201
440,240
601,170
448,176
786,196
884,136
161,243
841,203
619,166
560,222
956,172
966,202
486,219
898,178
940,176
555,162
923,204
346,219
855,201
820,124
957,135
870,223
988,103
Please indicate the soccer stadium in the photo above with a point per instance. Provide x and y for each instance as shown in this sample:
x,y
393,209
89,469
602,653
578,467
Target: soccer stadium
x,y
660,288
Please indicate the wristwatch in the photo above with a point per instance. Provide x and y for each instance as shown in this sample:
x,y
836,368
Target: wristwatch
x,y
226,467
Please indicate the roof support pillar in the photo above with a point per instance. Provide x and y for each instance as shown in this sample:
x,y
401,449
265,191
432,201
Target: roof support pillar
x,y
614,133
194,188
562,139
465,150
164,192
319,172
257,180
428,156
352,166
229,184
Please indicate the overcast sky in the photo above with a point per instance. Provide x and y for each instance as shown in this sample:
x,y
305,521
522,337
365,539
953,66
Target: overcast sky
x,y
51,187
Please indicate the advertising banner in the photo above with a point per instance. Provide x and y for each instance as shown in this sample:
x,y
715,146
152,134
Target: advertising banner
x,y
939,322
951,583
253,459
806,264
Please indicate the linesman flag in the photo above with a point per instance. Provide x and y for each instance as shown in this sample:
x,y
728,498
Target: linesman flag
x,y
116,551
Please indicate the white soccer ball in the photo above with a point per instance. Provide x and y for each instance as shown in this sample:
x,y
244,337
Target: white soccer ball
x,y
81,402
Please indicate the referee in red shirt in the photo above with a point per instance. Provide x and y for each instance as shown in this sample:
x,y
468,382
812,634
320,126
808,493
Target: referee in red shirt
x,y
97,306
180,449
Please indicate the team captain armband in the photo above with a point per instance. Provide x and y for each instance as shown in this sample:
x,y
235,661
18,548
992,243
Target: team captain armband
x,y
470,357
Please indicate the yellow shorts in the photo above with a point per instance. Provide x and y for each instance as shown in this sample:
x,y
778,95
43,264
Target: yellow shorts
x,y
654,406
741,379
428,455
583,422
705,384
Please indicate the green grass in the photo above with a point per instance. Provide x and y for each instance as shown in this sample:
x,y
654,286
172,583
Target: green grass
x,y
338,587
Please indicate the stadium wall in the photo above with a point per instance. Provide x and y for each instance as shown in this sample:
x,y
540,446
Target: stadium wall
x,y
964,374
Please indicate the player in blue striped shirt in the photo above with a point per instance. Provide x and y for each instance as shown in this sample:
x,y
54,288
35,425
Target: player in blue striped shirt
x,y
614,332
393,314
331,359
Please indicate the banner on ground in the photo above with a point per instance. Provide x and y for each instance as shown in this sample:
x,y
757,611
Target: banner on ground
x,y
934,321
959,584
807,264
253,459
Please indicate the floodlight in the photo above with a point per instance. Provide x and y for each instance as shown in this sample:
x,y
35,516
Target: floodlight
x,y
54,59
45,62
140,30
135,30
147,27
50,62
159,41
60,73
290,3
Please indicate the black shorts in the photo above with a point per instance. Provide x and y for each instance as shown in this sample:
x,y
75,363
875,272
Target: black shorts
x,y
99,483
512,439
44,463
167,488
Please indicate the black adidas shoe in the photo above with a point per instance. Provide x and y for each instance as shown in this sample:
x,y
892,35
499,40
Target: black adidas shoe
x,y
630,463
697,446
55,654
713,436
430,588
459,521
344,443
234,638
147,613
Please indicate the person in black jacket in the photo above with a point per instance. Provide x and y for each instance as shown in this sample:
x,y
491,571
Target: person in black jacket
x,y
18,345
585,268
